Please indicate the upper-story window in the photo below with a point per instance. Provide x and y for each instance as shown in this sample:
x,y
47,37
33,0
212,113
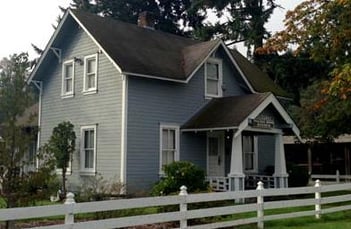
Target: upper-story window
x,y
213,78
68,78
90,74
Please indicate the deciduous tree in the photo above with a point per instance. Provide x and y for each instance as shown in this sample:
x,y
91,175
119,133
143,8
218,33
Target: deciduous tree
x,y
323,30
62,144
15,96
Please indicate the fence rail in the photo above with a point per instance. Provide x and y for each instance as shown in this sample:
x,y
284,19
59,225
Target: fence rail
x,y
183,214
332,177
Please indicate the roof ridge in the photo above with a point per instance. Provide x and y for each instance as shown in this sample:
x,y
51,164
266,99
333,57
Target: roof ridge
x,y
74,11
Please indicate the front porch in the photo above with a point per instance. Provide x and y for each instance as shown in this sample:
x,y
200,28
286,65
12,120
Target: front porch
x,y
239,162
244,141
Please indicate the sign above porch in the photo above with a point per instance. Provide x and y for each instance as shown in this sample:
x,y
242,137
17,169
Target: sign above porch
x,y
262,122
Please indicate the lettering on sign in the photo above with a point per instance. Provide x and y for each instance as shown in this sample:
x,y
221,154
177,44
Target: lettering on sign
x,y
262,121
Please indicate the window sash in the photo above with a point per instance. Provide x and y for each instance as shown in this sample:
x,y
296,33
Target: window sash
x,y
250,154
68,78
88,149
90,73
169,145
213,78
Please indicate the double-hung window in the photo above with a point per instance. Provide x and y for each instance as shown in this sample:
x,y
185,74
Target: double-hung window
x,y
169,145
213,78
90,74
88,150
250,153
68,79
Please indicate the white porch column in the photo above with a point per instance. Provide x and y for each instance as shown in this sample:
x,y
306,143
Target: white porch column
x,y
280,175
236,175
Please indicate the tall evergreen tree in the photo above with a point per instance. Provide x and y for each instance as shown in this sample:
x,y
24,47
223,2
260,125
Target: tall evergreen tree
x,y
174,16
245,21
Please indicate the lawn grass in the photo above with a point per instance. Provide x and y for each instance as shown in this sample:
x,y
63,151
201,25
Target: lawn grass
x,y
338,220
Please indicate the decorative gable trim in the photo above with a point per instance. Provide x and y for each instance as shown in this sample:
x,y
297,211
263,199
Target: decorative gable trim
x,y
238,67
269,100
48,48
95,41
54,36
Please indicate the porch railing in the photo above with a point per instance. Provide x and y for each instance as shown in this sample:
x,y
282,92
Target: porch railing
x,y
252,180
222,184
219,184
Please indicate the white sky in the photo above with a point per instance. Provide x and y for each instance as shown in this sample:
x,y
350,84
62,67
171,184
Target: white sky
x,y
23,22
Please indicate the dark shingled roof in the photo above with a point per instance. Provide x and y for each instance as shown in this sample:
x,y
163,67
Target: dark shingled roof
x,y
225,112
258,79
150,52
136,49
143,51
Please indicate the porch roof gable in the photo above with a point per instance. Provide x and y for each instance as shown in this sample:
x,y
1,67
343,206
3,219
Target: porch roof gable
x,y
235,112
226,112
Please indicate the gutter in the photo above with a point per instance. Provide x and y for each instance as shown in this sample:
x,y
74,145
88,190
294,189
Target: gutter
x,y
39,86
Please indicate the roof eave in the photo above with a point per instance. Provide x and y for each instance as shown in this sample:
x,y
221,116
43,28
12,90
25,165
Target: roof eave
x,y
48,47
208,129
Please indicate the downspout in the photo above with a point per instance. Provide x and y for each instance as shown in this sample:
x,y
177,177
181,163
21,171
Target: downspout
x,y
39,86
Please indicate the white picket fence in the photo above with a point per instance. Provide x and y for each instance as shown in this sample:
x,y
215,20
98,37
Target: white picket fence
x,y
332,178
183,215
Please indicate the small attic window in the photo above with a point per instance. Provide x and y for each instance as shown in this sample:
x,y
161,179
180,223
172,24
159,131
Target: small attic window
x,y
213,78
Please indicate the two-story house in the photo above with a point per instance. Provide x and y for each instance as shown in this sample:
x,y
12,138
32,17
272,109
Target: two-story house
x,y
140,99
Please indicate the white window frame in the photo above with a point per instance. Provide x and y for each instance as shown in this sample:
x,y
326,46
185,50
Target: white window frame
x,y
220,77
177,144
68,169
255,154
83,170
64,93
92,90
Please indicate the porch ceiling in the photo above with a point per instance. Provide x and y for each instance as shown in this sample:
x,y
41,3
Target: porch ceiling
x,y
227,112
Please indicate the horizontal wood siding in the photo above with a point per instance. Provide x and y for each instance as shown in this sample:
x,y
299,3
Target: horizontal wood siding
x,y
233,84
102,108
154,102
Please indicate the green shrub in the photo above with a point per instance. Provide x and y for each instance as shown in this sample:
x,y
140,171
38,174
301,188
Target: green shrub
x,y
180,173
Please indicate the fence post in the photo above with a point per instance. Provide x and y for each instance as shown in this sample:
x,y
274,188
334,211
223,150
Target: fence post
x,y
260,201
337,176
318,199
69,217
183,207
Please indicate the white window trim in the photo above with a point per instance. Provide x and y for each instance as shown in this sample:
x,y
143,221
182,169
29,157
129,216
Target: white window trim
x,y
220,77
65,94
177,144
255,157
87,171
90,90
68,170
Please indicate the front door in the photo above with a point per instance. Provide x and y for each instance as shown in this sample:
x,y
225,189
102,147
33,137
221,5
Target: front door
x,y
215,154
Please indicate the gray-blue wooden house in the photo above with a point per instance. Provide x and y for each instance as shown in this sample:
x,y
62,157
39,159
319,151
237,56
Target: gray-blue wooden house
x,y
140,99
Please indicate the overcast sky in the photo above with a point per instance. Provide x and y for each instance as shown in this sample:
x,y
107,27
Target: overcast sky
x,y
23,22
